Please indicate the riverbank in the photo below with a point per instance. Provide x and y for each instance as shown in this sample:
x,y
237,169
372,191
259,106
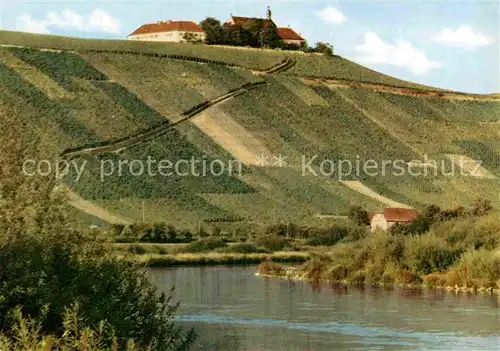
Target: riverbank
x,y
276,271
213,258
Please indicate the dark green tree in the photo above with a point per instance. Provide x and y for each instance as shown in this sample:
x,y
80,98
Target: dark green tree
x,y
432,212
271,37
171,234
358,216
214,32
236,35
324,48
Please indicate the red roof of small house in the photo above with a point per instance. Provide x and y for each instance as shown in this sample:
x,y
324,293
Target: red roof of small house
x,y
405,215
288,34
168,26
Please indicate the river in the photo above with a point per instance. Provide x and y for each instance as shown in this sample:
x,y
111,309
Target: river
x,y
232,309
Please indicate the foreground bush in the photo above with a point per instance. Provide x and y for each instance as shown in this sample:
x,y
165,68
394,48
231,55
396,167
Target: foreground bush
x,y
26,336
427,254
46,273
46,267
476,268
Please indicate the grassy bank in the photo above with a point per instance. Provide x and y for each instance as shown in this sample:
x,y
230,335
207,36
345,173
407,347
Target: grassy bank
x,y
214,258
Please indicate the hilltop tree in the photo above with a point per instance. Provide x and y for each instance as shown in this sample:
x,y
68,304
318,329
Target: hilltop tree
x,y
236,35
261,33
255,29
324,48
271,37
214,32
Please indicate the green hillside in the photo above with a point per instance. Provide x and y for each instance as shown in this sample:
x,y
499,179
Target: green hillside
x,y
306,64
99,92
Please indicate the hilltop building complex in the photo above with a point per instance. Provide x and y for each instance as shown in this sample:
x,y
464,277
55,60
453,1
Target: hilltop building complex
x,y
178,31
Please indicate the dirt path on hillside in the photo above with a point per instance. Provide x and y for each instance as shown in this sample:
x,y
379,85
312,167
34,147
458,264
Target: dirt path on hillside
x,y
285,65
233,137
471,167
92,209
363,189
446,95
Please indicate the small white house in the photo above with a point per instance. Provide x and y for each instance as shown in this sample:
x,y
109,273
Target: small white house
x,y
167,31
390,216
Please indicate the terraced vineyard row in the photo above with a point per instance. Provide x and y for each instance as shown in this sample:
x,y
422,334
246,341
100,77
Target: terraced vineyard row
x,y
163,128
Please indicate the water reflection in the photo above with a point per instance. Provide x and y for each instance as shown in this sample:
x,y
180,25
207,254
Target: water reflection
x,y
232,309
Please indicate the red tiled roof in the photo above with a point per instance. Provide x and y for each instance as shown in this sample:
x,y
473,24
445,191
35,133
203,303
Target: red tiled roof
x,y
400,215
288,34
242,20
168,26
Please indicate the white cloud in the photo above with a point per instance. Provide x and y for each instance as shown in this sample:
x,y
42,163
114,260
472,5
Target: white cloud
x,y
104,22
27,24
331,15
464,37
97,21
401,54
67,20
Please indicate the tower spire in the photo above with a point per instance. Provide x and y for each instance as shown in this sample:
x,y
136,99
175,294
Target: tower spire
x,y
269,13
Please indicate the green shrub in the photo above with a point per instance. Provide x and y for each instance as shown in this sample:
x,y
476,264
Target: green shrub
x,y
186,235
476,268
136,249
205,245
271,242
59,269
336,273
316,268
47,267
27,336
269,267
405,277
244,248
358,216
117,229
428,253
390,274
357,278
328,237
356,233
434,280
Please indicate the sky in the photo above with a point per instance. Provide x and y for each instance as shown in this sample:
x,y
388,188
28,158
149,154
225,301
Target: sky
x,y
447,44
